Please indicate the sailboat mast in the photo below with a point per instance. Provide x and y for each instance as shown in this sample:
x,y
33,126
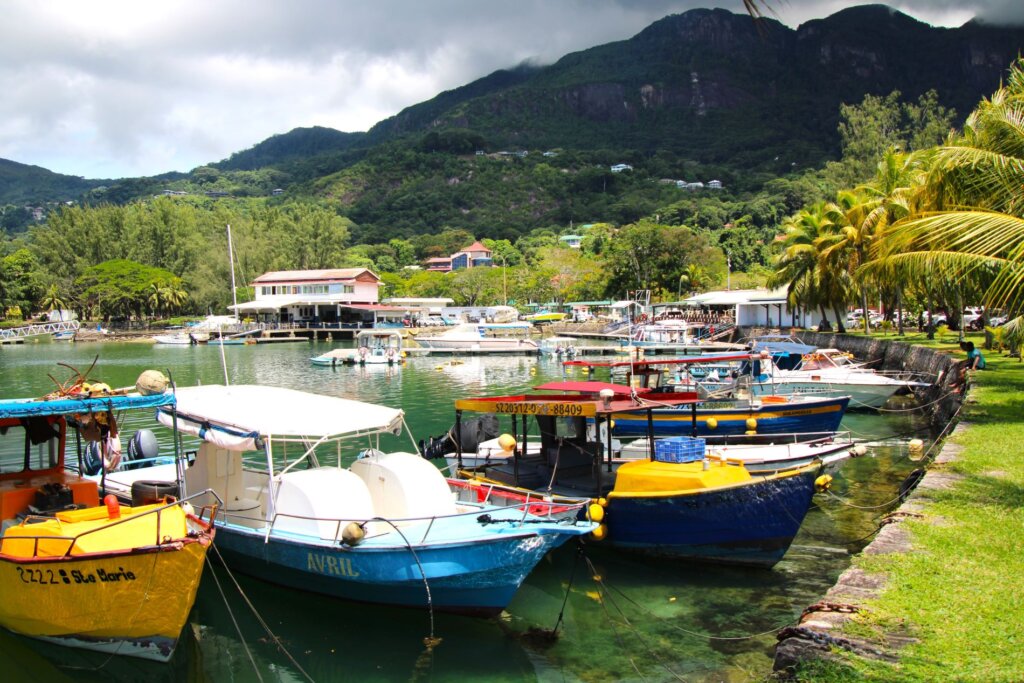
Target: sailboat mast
x,y
231,260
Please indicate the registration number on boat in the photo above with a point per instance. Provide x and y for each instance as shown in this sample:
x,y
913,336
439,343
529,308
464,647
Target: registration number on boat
x,y
555,409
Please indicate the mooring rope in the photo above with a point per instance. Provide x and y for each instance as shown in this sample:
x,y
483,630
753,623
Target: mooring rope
x,y
568,590
599,580
259,618
423,574
231,613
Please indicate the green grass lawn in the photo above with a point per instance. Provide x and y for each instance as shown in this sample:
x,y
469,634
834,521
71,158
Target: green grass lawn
x,y
960,591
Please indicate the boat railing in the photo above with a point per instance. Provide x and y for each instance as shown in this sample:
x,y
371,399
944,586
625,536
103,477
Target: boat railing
x,y
521,508
791,437
73,540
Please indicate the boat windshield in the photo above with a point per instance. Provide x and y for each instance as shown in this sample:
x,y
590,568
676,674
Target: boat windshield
x,y
30,445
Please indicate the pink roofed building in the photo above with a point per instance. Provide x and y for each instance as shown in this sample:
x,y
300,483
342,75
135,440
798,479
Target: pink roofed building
x,y
473,256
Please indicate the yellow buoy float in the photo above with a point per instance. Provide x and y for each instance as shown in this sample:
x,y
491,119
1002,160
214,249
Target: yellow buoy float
x,y
600,532
752,424
596,513
712,423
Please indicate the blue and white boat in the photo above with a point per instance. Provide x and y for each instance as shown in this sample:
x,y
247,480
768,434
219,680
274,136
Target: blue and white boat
x,y
386,529
677,503
717,418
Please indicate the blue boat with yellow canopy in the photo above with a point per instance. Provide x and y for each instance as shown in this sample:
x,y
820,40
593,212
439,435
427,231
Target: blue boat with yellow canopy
x,y
105,577
676,503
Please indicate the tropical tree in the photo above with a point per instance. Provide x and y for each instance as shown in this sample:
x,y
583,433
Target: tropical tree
x,y
156,298
814,278
694,278
52,299
973,228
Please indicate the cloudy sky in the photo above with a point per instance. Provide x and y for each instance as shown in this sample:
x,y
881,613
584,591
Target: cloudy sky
x,y
116,88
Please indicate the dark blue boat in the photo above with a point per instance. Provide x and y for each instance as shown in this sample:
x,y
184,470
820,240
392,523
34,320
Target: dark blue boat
x,y
748,522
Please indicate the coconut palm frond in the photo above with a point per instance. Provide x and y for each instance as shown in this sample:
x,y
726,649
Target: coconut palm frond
x,y
984,233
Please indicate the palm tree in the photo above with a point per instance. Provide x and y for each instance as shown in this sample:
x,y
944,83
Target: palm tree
x,y
975,196
175,297
695,277
52,300
866,213
156,298
813,277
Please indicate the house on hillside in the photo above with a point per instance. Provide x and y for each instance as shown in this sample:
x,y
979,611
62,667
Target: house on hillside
x,y
474,256
619,168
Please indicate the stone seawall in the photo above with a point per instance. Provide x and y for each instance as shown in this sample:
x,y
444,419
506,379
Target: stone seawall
x,y
820,627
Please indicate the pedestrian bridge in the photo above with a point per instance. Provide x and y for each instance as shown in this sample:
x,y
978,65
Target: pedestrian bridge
x,y
16,335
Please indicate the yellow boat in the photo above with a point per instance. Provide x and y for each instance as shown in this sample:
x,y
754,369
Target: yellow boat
x,y
112,578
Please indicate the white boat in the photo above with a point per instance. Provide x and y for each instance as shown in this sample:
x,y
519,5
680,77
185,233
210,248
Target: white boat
x,y
558,346
830,372
182,338
373,347
474,337
667,332
387,529
773,457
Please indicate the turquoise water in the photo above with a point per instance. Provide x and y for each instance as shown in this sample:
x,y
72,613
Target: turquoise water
x,y
639,620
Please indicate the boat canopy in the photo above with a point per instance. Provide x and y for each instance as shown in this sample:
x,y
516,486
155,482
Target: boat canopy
x,y
22,408
240,417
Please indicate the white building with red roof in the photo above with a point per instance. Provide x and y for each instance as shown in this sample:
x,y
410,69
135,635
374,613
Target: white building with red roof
x,y
336,296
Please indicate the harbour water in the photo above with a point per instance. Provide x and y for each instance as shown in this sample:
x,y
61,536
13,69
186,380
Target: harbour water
x,y
625,618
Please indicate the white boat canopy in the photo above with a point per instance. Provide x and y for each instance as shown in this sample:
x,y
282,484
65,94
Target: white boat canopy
x,y
240,417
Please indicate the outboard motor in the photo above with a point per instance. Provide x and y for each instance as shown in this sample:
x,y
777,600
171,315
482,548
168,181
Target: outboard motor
x,y
472,433
92,458
143,445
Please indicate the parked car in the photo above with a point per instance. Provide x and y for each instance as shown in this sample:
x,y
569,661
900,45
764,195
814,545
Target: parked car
x,y
972,317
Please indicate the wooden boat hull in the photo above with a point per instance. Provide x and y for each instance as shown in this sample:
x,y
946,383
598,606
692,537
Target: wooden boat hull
x,y
815,417
753,523
478,580
131,602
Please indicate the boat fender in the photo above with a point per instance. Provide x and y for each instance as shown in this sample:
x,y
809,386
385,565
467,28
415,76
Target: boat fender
x,y
752,424
712,423
112,445
600,533
603,502
595,512
823,483
353,534
858,450
507,442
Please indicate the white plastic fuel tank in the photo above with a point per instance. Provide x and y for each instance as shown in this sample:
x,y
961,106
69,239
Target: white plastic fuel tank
x,y
404,485
329,498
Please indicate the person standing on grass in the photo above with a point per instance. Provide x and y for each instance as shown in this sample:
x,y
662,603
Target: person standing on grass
x,y
975,361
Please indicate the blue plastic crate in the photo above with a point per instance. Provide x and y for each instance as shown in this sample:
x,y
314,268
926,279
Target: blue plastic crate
x,y
679,449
